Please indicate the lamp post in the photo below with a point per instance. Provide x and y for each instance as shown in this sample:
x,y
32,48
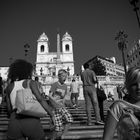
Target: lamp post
x,y
136,8
26,49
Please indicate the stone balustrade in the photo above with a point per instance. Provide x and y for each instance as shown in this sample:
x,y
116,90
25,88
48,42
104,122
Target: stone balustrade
x,y
109,84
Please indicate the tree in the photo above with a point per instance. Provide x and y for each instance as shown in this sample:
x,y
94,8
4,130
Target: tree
x,y
98,67
122,45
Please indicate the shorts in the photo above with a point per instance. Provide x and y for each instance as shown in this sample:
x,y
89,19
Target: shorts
x,y
62,116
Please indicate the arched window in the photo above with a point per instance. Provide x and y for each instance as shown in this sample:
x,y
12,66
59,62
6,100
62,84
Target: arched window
x,y
67,47
42,48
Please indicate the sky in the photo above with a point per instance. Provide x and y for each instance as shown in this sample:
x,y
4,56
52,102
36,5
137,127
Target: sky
x,y
93,25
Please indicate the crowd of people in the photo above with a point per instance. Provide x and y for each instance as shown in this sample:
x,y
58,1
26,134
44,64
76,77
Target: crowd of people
x,y
23,126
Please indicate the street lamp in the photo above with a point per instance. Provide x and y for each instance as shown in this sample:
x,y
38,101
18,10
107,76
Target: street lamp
x,y
134,3
26,49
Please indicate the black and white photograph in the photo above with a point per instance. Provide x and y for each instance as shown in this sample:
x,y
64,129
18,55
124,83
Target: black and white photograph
x,y
69,69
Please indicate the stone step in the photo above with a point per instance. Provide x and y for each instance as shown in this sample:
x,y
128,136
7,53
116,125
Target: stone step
x,y
78,130
75,132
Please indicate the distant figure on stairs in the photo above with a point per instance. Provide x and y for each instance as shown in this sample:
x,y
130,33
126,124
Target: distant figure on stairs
x,y
119,91
101,98
75,90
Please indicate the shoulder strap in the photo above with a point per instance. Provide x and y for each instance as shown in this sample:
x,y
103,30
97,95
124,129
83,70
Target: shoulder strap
x,y
28,83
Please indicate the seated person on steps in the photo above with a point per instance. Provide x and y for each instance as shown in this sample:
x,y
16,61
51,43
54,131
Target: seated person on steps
x,y
62,117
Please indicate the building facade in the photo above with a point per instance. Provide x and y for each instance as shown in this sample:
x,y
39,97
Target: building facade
x,y
111,68
48,63
133,55
4,72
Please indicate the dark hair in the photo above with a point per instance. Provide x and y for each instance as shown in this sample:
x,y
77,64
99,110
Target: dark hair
x,y
86,65
0,78
73,80
20,69
62,71
36,78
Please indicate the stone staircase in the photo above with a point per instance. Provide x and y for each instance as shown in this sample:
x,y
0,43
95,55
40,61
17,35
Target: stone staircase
x,y
78,130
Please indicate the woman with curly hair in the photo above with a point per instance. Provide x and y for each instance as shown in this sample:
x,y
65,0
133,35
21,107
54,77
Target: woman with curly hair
x,y
22,126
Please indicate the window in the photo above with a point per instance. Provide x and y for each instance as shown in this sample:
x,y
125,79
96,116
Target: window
x,y
67,47
53,73
42,48
54,59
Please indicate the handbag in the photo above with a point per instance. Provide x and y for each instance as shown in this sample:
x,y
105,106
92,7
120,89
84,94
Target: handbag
x,y
27,104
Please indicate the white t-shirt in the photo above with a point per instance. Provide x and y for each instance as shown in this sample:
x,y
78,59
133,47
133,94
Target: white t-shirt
x,y
74,87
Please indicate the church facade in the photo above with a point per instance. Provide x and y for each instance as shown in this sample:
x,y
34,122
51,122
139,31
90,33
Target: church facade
x,y
48,63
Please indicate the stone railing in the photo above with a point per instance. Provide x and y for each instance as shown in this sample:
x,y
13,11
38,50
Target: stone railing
x,y
109,83
52,79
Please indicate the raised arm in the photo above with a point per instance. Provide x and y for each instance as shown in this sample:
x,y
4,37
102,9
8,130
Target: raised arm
x,y
109,127
52,91
41,100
